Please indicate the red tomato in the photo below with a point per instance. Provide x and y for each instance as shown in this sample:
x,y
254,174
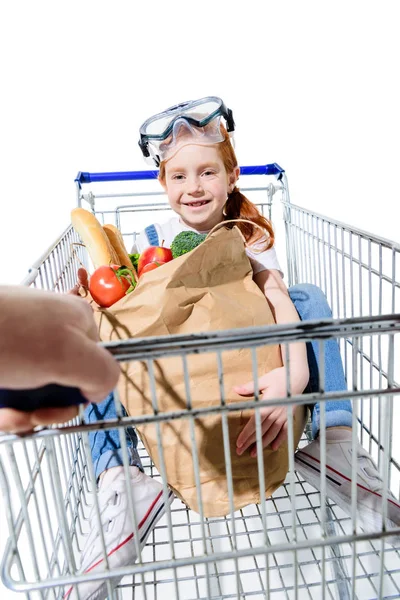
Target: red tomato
x,y
154,254
106,288
150,267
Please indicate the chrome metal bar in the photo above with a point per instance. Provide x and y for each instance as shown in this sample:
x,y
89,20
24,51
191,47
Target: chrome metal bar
x,y
198,412
228,467
387,450
354,466
384,242
143,348
260,464
59,505
291,450
322,441
196,464
163,470
13,529
37,468
130,490
36,510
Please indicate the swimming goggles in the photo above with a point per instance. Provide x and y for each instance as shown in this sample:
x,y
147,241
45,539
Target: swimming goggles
x,y
196,121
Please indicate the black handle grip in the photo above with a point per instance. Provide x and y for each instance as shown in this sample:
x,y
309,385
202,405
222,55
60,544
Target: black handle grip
x,y
48,396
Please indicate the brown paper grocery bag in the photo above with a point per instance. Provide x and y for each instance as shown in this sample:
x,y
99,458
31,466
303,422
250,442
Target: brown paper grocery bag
x,y
210,288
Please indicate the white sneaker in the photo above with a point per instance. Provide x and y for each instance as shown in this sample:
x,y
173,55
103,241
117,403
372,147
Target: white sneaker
x,y
118,527
338,480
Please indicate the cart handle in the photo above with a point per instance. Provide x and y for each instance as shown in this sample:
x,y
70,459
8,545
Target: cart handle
x,y
48,396
82,178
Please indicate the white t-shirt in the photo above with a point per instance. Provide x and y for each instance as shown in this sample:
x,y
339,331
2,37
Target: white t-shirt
x,y
260,261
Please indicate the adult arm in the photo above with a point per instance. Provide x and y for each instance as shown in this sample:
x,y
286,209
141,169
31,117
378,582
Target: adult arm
x,y
50,338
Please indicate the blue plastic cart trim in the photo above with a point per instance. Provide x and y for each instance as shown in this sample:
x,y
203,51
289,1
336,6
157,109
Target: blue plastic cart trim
x,y
82,178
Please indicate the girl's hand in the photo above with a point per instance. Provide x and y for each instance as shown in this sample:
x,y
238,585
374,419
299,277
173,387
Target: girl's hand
x,y
273,418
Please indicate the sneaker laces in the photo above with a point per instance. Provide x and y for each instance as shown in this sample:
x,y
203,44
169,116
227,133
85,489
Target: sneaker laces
x,y
370,469
105,498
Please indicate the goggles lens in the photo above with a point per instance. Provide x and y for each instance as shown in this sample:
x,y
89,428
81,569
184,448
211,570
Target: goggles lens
x,y
184,133
200,111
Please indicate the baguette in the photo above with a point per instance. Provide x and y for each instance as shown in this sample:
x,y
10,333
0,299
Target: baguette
x,y
93,236
117,241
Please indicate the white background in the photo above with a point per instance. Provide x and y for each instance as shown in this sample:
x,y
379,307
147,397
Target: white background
x,y
313,86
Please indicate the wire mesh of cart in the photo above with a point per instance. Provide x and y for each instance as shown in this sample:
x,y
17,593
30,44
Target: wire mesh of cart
x,y
297,543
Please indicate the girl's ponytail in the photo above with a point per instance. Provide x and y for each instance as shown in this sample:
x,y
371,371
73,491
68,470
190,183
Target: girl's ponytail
x,y
239,207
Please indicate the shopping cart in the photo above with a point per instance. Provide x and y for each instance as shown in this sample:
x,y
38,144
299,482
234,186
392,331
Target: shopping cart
x,y
296,544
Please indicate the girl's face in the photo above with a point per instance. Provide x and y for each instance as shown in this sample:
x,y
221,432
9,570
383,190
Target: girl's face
x,y
197,185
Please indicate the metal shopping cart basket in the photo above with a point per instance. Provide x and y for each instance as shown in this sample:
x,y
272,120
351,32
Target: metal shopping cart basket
x,y
296,544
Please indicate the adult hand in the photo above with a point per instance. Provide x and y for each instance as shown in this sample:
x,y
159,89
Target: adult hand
x,y
50,338
273,418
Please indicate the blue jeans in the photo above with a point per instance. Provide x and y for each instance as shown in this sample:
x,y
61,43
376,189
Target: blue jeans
x,y
105,444
310,303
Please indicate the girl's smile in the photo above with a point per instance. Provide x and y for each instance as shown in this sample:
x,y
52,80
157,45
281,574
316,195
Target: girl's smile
x,y
198,204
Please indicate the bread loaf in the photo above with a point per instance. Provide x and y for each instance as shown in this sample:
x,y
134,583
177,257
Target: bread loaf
x,y
117,241
94,238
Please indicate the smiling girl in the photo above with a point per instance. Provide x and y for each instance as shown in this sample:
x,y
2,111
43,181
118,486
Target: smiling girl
x,y
199,177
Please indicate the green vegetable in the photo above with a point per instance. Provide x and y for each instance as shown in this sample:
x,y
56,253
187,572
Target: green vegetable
x,y
186,241
135,259
127,273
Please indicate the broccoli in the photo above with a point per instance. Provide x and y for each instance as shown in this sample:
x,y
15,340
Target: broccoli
x,y
135,259
185,242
